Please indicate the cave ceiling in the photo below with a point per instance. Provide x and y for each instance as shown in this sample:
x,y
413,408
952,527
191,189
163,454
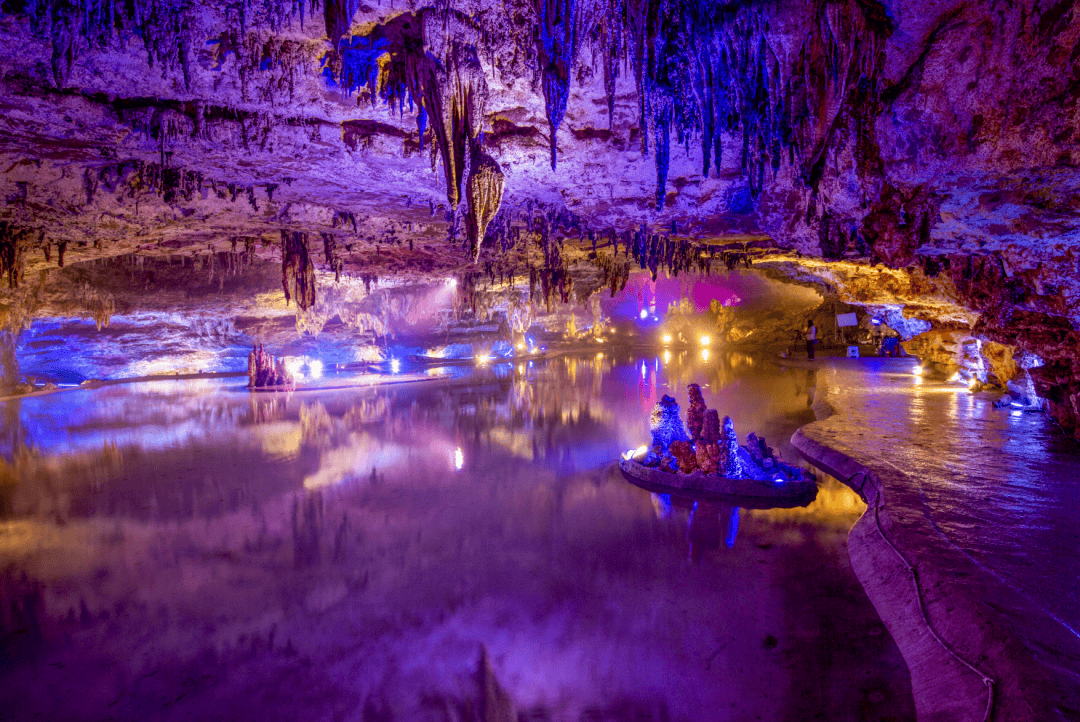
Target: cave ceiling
x,y
409,140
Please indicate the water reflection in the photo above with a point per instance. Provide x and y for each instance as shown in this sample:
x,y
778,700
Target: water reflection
x,y
131,446
385,535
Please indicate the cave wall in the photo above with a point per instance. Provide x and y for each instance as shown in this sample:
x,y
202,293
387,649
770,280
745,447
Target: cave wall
x,y
938,141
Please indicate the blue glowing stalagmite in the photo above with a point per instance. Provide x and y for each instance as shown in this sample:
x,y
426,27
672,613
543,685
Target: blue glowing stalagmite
x,y
667,427
730,462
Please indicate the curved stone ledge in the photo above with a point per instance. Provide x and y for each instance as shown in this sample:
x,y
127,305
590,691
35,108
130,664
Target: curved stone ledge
x,y
1010,674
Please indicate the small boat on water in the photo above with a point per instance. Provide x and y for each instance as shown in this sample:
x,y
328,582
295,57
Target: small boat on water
x,y
748,493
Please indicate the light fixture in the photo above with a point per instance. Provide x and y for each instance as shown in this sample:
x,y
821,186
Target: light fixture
x,y
705,340
633,453
520,346
704,354
315,367
666,338
918,370
395,366
459,458
643,315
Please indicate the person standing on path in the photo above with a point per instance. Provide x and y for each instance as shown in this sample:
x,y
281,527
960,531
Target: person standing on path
x,y
811,338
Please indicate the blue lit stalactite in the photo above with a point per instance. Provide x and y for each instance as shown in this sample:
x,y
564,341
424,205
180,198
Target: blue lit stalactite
x,y
556,44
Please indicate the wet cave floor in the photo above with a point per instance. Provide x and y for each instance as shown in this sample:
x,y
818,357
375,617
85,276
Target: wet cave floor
x,y
188,550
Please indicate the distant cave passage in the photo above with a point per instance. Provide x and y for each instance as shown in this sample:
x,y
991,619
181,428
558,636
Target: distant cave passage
x,y
297,270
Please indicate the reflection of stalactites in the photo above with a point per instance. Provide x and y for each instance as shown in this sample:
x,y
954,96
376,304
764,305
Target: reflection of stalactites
x,y
12,241
484,195
333,260
556,43
9,364
307,522
297,270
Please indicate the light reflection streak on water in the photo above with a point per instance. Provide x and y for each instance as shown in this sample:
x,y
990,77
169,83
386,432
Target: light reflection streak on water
x,y
997,487
570,414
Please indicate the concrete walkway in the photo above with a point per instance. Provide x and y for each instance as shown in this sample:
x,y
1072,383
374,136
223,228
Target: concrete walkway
x,y
970,547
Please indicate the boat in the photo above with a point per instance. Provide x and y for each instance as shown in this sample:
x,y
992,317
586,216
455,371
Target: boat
x,y
747,493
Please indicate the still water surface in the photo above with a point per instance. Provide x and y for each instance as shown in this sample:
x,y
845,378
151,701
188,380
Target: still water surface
x,y
190,549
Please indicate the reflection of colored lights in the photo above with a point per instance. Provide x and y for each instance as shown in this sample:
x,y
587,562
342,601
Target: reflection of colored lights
x,y
705,340
666,338
520,346
704,354
315,368
459,458
667,357
599,355
643,315
292,365
918,370
484,358
395,366
642,369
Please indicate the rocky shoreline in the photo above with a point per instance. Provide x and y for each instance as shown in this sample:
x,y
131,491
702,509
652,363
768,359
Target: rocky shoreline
x,y
957,626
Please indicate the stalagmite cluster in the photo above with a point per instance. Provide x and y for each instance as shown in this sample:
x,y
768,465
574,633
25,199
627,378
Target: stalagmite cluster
x,y
266,371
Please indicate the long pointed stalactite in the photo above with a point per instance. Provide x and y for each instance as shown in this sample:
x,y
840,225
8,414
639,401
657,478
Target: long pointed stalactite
x,y
558,28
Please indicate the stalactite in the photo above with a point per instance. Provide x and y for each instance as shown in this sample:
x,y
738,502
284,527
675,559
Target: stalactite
x,y
558,26
297,270
484,195
430,62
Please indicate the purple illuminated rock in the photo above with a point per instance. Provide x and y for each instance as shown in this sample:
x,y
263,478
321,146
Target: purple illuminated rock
x,y
695,411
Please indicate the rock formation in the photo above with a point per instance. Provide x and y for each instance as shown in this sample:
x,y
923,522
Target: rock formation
x,y
906,154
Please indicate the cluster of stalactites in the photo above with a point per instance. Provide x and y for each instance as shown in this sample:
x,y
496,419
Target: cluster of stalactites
x,y
429,61
297,270
167,28
704,69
